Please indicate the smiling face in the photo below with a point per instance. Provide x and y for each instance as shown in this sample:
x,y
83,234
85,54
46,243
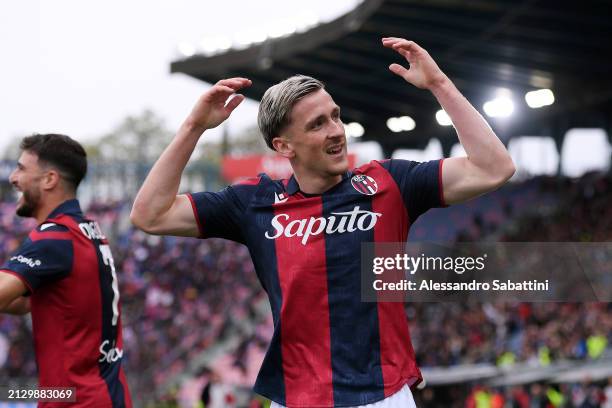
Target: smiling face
x,y
315,140
26,179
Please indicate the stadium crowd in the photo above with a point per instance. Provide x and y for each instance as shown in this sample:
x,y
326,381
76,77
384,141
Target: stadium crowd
x,y
458,333
182,296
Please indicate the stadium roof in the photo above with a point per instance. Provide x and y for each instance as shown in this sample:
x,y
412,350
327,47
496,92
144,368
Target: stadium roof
x,y
481,44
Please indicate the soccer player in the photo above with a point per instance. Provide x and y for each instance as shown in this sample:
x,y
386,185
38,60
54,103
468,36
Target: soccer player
x,y
65,275
304,234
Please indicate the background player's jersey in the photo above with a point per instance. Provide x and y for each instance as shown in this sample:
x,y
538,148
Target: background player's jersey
x,y
68,268
328,348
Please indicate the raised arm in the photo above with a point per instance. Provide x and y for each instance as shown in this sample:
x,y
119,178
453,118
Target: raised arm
x,y
488,164
157,208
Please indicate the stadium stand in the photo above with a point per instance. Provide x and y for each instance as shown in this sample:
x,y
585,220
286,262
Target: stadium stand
x,y
194,312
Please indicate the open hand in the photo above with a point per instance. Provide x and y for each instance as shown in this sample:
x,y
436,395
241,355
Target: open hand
x,y
213,106
423,73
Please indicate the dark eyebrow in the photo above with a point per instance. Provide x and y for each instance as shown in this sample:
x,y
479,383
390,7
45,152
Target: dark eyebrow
x,y
20,165
311,122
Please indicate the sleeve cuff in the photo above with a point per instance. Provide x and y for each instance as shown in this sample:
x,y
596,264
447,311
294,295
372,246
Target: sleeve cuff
x,y
441,184
195,214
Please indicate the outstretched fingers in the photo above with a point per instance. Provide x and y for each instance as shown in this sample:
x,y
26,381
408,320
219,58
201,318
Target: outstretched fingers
x,y
225,88
235,83
219,91
401,45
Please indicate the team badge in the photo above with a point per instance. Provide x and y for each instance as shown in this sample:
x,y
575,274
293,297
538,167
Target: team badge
x,y
364,184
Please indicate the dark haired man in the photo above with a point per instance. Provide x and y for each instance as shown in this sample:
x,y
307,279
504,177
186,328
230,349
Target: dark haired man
x,y
304,234
64,274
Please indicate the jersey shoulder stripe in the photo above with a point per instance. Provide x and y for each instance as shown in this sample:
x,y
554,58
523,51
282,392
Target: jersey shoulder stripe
x,y
50,230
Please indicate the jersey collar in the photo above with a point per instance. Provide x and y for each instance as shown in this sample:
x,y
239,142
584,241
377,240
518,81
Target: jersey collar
x,y
293,186
70,207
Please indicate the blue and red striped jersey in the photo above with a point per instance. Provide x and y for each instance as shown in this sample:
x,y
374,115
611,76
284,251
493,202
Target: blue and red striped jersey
x,y
328,348
68,268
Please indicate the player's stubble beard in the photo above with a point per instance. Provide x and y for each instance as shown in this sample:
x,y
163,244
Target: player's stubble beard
x,y
30,201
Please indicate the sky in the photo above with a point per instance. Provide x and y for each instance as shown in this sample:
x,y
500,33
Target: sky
x,y
80,67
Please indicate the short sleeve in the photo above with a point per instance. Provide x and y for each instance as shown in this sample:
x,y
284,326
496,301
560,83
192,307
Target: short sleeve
x,y
419,183
220,214
43,258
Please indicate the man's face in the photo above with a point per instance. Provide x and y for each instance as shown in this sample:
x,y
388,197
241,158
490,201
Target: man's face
x,y
26,178
316,136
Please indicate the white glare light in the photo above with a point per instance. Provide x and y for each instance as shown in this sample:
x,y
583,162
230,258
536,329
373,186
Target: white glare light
x,y
186,49
539,98
393,125
215,45
443,118
499,107
407,123
403,123
354,129
246,38
224,43
305,21
281,28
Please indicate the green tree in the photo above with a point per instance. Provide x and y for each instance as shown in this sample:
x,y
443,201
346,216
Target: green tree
x,y
247,141
140,138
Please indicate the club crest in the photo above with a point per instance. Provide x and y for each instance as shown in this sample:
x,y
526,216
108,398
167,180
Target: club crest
x,y
364,184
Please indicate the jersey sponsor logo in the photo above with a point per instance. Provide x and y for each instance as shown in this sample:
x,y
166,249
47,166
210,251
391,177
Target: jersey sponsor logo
x,y
32,263
336,223
111,354
364,184
91,230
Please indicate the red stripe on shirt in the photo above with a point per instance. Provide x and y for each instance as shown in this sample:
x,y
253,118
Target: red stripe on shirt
x,y
77,362
305,331
39,235
397,357
253,181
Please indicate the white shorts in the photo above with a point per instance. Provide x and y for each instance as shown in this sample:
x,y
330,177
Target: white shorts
x,y
401,399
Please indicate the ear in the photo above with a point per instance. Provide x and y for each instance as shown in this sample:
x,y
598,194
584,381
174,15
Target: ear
x,y
283,146
50,180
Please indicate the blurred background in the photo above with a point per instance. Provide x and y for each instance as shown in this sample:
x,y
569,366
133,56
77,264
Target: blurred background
x,y
120,77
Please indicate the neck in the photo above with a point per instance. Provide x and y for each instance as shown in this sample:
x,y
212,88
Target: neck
x,y
315,184
50,204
